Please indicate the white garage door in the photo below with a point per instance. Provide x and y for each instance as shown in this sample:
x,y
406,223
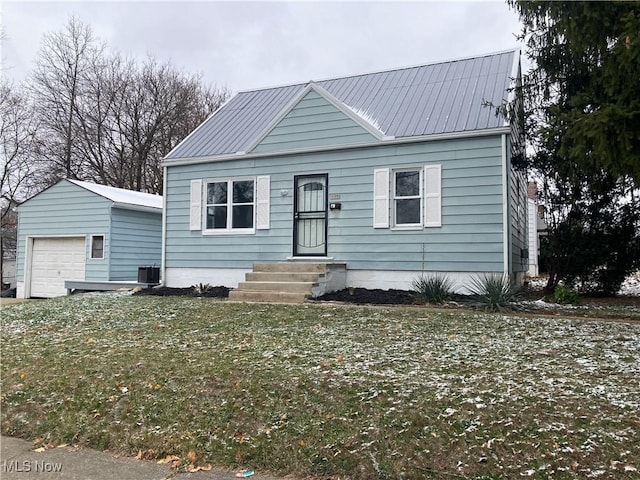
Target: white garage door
x,y
53,261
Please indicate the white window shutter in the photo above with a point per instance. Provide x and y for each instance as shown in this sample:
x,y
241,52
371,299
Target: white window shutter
x,y
381,198
195,205
263,200
433,196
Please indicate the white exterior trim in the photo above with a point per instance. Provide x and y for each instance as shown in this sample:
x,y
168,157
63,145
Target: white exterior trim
x,y
505,206
163,245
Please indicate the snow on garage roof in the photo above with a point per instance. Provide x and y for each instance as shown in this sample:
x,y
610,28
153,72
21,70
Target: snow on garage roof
x,y
121,196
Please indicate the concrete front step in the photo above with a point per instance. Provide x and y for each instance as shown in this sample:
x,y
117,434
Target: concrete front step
x,y
284,277
290,267
289,282
269,297
284,287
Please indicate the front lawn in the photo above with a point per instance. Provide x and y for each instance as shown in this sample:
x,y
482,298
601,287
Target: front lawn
x,y
326,390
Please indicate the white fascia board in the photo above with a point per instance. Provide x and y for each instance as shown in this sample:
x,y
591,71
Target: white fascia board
x,y
351,146
139,208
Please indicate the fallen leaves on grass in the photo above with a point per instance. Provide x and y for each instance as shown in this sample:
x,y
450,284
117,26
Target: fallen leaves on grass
x,y
327,390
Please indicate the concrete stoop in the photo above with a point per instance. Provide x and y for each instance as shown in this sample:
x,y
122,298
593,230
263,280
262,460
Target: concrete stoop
x,y
290,282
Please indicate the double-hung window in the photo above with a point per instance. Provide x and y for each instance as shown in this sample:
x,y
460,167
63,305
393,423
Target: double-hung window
x,y
230,205
407,198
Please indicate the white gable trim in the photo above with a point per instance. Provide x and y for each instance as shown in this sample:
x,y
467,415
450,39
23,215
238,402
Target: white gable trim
x,y
351,113
311,86
276,120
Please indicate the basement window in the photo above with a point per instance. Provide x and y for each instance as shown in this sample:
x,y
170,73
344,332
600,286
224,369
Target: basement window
x,y
97,246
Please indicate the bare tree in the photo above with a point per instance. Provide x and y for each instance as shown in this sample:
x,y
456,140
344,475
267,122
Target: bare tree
x,y
20,173
111,120
161,107
58,82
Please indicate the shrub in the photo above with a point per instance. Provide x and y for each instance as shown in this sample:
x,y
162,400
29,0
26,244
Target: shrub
x,y
564,294
494,291
434,289
202,288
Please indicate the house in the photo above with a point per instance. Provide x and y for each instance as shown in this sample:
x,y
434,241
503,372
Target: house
x,y
370,180
86,233
537,228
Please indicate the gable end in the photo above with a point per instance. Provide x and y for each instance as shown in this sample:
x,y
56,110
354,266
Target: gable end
x,y
314,118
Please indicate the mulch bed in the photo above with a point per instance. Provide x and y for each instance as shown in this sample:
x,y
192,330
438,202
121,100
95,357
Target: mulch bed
x,y
210,292
363,296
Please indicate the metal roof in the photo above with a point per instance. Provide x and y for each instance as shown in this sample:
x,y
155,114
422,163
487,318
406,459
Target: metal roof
x,y
440,98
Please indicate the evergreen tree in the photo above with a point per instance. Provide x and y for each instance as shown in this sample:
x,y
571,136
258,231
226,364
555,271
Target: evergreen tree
x,y
582,98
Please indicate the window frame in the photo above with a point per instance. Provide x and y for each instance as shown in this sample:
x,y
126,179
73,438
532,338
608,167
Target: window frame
x,y
91,249
229,206
394,198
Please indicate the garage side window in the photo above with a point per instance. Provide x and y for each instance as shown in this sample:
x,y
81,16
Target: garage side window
x,y
97,246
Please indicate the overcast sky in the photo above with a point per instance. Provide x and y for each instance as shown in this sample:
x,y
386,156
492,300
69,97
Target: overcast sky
x,y
246,45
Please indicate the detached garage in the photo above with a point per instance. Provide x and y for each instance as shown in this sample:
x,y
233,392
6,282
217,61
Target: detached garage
x,y
81,232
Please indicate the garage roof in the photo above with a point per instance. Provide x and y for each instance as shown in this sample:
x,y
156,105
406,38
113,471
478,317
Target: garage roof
x,y
122,197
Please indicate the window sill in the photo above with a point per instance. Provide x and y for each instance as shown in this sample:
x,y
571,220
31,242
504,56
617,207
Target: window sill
x,y
237,231
407,228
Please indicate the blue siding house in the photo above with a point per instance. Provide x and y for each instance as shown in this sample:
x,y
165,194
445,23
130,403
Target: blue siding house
x,y
369,180
81,231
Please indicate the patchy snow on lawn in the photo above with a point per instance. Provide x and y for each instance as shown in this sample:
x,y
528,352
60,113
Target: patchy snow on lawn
x,y
630,287
492,386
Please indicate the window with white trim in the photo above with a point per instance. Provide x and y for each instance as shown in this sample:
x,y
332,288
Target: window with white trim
x,y
230,205
407,198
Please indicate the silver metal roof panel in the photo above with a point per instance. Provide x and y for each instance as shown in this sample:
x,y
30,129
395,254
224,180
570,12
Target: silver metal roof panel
x,y
445,97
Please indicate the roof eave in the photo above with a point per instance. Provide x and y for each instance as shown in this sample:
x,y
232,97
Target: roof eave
x,y
140,208
173,162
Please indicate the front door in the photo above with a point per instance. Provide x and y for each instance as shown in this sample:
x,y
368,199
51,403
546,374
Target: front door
x,y
310,215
